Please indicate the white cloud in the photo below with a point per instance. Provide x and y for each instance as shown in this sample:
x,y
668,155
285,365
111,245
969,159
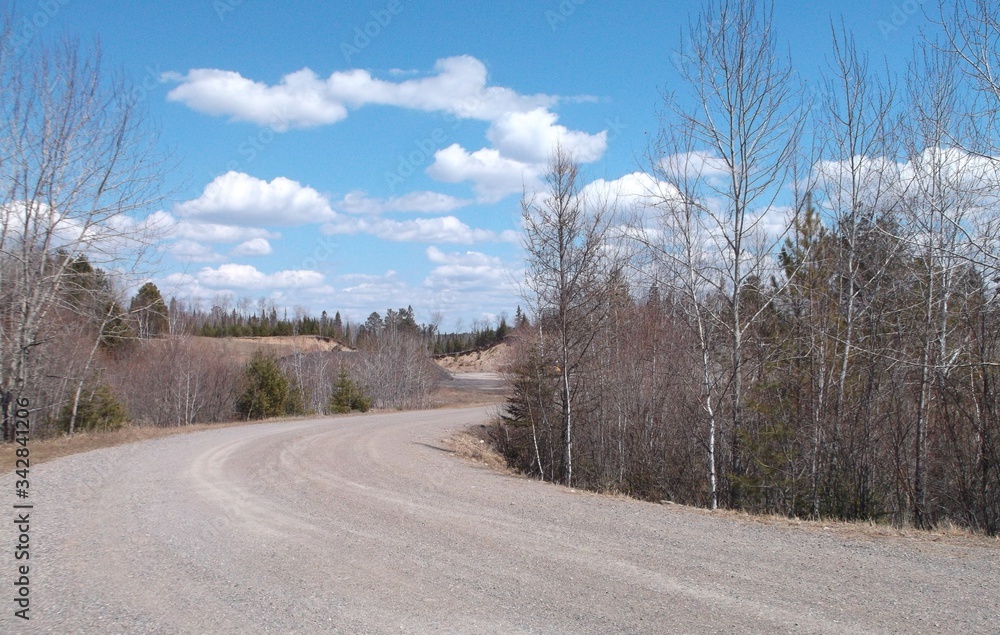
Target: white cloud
x,y
469,258
494,176
358,202
252,248
115,237
531,137
444,229
523,129
966,181
632,192
302,99
230,276
363,293
471,269
213,232
236,198
193,251
297,101
181,279
524,142
698,165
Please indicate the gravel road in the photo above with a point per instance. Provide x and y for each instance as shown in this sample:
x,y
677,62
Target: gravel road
x,y
367,524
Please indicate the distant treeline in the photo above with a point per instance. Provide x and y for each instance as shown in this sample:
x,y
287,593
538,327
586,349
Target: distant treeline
x,y
262,319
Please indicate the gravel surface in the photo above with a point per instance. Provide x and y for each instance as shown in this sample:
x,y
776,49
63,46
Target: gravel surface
x,y
366,524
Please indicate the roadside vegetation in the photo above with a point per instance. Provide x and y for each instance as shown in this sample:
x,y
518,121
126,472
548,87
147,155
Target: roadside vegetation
x,y
798,314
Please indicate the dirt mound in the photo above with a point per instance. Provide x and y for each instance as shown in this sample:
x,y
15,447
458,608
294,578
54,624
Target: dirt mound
x,y
488,361
244,347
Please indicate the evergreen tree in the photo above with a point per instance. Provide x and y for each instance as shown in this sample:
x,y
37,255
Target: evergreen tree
x,y
338,326
347,396
150,312
268,392
98,410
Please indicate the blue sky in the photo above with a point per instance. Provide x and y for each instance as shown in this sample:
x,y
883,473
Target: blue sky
x,y
366,155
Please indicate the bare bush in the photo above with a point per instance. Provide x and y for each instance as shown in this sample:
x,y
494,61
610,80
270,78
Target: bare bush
x,y
396,370
175,382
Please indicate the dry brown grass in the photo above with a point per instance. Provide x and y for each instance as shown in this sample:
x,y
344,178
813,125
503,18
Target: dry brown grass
x,y
43,450
468,445
471,445
446,397
946,534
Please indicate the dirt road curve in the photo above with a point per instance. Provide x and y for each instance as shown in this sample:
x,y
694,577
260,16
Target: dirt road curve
x,y
366,525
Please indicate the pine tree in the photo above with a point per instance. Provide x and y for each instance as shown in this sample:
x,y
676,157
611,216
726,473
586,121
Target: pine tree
x,y
150,312
99,410
347,396
268,392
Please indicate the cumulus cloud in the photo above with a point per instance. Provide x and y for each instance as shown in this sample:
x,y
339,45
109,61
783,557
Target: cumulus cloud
x,y
193,251
358,202
634,192
114,237
252,248
297,101
211,232
471,269
698,165
233,276
967,180
530,137
469,258
459,86
493,175
523,128
523,143
443,229
371,283
236,198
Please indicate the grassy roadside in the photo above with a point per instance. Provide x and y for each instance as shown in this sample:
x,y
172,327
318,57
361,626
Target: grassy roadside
x,y
43,450
471,446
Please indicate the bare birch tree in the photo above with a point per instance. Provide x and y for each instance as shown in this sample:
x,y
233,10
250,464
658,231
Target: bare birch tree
x,y
857,186
729,146
77,164
678,243
565,240
946,189
972,38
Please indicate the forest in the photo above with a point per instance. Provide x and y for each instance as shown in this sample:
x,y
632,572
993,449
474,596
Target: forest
x,y
797,312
